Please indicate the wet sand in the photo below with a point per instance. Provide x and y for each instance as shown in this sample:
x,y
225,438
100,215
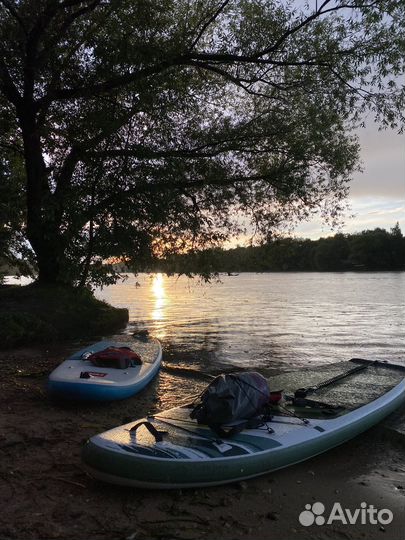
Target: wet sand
x,y
46,494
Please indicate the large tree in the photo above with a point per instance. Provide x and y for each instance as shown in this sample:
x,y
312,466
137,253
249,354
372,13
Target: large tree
x,y
150,127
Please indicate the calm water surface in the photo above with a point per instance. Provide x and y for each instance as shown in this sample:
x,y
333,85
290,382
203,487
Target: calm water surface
x,y
268,321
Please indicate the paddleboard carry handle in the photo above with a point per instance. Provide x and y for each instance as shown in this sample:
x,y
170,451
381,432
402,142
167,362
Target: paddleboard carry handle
x,y
151,428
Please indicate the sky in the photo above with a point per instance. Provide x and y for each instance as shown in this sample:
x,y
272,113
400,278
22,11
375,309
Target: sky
x,y
377,195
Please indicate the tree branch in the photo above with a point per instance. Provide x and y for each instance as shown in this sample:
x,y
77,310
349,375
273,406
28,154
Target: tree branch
x,y
321,11
78,13
238,81
229,58
208,150
64,177
292,31
110,84
208,23
202,60
31,47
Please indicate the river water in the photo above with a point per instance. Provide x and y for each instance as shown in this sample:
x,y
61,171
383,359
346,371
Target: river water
x,y
270,321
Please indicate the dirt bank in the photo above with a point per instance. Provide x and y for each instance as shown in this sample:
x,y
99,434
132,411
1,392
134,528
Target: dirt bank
x,y
36,314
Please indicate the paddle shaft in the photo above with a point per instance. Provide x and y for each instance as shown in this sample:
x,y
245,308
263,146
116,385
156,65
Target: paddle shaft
x,y
304,392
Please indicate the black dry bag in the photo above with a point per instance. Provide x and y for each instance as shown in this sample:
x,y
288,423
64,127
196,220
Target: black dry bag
x,y
232,397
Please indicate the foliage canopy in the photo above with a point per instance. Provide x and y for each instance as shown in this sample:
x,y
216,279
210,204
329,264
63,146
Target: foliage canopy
x,y
148,127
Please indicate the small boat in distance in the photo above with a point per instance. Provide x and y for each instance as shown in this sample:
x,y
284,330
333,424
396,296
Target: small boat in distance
x,y
80,378
171,450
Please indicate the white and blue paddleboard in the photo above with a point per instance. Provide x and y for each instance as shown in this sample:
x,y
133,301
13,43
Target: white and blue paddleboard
x,y
171,450
77,378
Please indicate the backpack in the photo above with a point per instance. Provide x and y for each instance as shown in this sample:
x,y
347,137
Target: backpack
x,y
115,357
235,397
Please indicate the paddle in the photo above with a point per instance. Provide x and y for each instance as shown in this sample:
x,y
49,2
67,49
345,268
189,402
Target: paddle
x,y
304,392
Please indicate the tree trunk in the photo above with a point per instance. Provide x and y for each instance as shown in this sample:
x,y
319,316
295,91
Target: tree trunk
x,y
43,216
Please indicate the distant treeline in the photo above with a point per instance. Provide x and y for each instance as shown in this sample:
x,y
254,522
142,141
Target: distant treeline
x,y
368,250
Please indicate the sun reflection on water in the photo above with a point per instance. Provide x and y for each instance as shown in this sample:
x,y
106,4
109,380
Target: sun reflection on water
x,y
158,287
158,314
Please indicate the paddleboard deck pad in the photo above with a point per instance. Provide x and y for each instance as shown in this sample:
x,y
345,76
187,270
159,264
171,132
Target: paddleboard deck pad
x,y
77,378
170,450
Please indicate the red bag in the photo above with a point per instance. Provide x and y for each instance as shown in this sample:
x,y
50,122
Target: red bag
x,y
115,357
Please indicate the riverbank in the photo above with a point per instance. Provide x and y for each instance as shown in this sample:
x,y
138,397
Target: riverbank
x,y
46,494
34,314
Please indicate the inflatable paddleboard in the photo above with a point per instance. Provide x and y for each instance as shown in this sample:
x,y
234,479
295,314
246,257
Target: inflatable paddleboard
x,y
170,450
77,378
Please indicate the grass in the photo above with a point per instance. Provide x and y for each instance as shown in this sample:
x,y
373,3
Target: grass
x,y
39,314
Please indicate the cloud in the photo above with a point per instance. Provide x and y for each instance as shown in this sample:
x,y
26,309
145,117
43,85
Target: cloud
x,y
367,212
383,156
377,196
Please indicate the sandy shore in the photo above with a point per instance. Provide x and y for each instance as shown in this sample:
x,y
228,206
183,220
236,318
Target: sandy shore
x,y
45,493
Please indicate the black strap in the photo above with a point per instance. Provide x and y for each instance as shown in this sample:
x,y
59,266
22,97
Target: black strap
x,y
182,428
151,428
226,432
218,429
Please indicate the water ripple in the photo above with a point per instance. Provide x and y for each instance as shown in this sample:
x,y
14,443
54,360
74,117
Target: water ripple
x,y
268,321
